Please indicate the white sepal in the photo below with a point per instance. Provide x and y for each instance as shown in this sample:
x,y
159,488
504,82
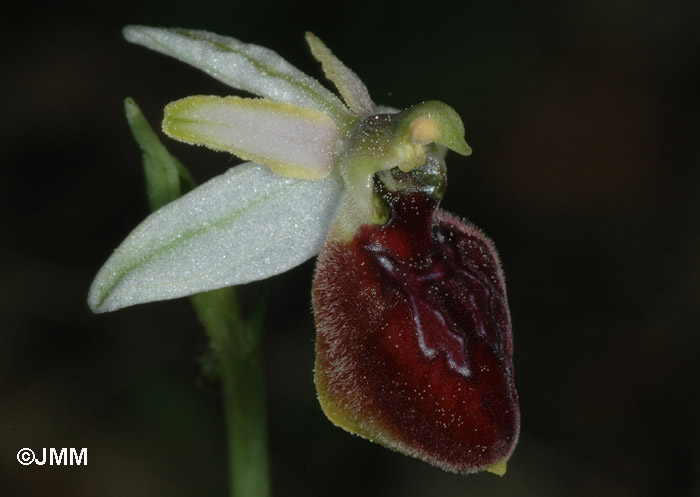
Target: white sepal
x,y
247,67
245,225
293,141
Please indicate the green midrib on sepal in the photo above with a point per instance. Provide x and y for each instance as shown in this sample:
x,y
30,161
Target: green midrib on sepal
x,y
337,113
105,291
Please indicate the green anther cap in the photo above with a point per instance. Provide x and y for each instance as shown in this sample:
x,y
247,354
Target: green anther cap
x,y
434,122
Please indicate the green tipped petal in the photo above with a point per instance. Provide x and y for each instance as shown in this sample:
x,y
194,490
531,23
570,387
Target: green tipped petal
x,y
350,86
243,66
293,141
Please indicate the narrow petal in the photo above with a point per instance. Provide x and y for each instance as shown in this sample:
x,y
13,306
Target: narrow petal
x,y
245,225
293,141
247,67
350,86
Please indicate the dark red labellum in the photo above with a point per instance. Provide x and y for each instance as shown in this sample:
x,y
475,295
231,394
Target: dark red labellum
x,y
414,346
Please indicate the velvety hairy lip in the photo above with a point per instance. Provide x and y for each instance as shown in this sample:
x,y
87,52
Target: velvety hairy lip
x,y
414,346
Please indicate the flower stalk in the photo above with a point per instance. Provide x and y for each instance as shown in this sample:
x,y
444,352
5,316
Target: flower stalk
x,y
238,349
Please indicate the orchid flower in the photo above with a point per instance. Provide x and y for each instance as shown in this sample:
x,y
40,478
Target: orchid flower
x,y
414,346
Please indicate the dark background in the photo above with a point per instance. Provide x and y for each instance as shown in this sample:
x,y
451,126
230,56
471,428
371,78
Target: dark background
x,y
583,116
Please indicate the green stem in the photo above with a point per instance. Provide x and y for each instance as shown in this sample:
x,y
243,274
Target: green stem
x,y
237,347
